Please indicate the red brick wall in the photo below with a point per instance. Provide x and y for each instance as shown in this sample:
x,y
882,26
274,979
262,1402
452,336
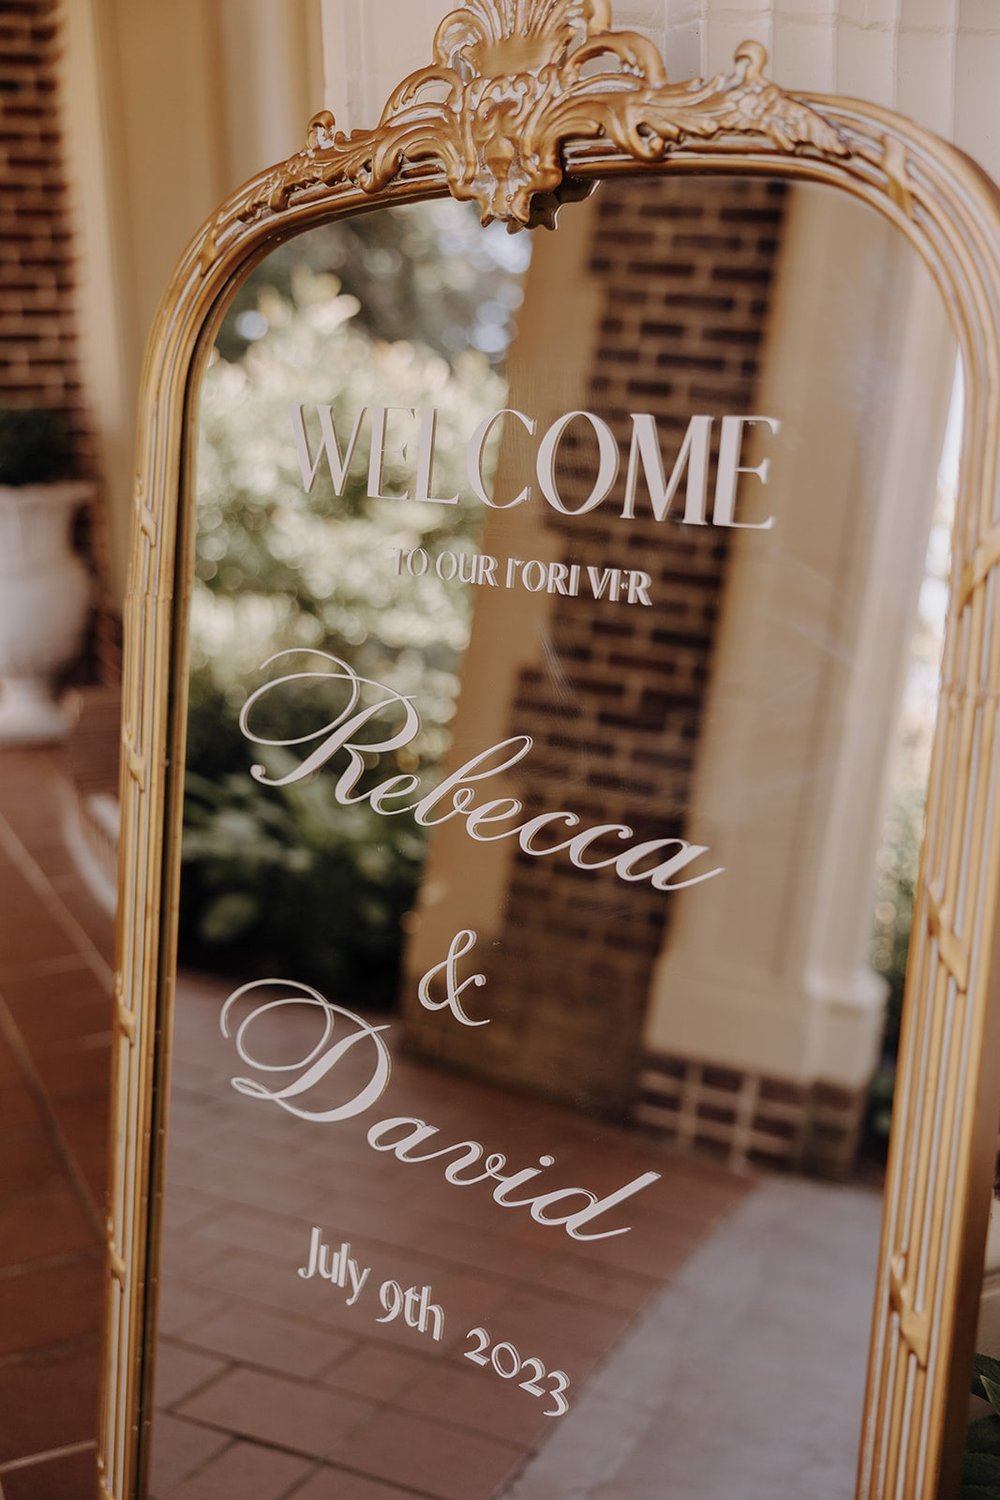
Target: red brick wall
x,y
37,333
38,338
615,703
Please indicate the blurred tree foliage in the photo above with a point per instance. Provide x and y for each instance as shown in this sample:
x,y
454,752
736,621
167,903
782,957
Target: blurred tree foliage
x,y
282,881
427,275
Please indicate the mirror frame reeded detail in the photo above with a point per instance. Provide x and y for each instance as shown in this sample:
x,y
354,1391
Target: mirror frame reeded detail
x,y
527,103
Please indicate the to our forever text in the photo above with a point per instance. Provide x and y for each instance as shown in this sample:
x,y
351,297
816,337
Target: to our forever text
x,y
615,585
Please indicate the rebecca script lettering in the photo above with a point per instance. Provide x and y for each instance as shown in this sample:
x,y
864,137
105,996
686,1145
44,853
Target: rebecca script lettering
x,y
658,861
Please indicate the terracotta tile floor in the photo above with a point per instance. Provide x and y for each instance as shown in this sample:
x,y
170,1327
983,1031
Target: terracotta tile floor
x,y
55,1016
267,1374
268,1384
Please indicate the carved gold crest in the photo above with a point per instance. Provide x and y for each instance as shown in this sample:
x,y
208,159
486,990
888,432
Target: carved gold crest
x,y
511,83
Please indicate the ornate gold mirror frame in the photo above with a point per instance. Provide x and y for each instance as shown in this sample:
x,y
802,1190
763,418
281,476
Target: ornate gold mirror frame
x,y
526,103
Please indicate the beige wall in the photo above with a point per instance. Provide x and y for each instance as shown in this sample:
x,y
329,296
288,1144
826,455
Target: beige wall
x,y
169,105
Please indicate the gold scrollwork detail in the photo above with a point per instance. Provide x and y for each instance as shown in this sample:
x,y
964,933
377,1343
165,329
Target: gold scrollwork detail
x,y
125,1017
978,569
116,1265
146,518
896,166
954,953
134,761
914,1327
512,82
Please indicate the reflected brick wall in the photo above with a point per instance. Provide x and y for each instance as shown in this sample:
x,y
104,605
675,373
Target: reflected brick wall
x,y
615,701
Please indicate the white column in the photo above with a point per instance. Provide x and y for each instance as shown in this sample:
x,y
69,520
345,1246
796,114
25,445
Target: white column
x,y
770,974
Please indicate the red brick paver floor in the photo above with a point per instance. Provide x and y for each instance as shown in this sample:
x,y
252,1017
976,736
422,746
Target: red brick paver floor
x,y
55,1035
268,1384
266,1374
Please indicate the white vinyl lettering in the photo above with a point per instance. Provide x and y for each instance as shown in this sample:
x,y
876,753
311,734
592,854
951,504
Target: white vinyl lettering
x,y
607,471
457,796
644,454
311,1070
377,457
337,463
724,509
400,1135
645,467
474,458
426,438
461,944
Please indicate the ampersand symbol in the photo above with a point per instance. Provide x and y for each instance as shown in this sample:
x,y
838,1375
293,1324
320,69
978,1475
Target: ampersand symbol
x,y
462,943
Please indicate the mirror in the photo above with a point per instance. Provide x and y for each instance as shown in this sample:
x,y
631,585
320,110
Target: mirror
x,y
507,1125
549,639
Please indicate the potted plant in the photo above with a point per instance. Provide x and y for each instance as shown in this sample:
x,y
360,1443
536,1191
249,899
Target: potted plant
x,y
44,585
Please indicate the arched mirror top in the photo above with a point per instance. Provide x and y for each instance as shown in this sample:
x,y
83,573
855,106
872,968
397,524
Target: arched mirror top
x,y
526,106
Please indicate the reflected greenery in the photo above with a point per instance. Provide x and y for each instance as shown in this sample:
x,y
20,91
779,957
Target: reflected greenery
x,y
271,875
427,275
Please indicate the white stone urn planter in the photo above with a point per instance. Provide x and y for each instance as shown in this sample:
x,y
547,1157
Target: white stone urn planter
x,y
44,601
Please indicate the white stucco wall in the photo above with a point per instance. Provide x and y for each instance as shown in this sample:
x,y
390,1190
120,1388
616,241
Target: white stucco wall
x,y
937,61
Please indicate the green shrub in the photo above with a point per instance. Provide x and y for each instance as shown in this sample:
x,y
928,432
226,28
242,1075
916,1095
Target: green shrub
x,y
282,881
34,445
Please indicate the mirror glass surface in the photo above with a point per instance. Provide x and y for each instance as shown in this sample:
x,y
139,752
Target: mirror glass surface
x,y
549,839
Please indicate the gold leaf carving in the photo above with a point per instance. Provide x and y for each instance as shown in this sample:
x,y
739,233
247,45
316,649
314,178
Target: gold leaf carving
x,y
897,171
511,83
914,1327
